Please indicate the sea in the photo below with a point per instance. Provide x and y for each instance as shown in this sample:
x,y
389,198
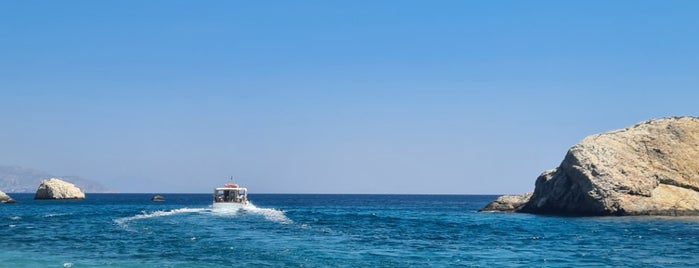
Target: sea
x,y
327,230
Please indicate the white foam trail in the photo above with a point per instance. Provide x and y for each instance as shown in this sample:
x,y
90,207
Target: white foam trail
x,y
225,211
269,214
160,213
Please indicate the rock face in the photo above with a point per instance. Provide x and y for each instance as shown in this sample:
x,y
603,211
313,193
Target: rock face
x,y
4,198
57,189
651,168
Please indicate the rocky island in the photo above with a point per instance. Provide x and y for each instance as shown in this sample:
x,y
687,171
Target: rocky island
x,y
57,189
4,198
651,168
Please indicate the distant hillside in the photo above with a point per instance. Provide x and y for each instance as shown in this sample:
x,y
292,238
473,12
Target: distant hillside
x,y
14,179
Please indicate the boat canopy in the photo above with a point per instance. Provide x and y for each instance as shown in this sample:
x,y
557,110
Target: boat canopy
x,y
228,194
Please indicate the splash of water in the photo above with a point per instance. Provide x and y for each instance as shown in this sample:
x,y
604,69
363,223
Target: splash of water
x,y
269,214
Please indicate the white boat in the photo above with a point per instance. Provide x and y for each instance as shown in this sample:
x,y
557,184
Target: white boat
x,y
230,197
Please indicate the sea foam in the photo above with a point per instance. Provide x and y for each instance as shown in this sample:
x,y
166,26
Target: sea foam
x,y
269,214
160,213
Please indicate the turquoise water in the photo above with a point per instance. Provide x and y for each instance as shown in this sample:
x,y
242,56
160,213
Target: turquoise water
x,y
128,230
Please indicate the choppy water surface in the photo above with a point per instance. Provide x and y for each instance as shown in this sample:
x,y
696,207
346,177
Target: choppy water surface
x,y
128,230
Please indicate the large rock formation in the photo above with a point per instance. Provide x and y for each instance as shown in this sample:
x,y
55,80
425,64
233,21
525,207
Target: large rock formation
x,y
4,198
57,189
651,168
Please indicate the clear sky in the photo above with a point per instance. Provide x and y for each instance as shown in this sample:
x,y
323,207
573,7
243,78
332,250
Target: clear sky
x,y
463,97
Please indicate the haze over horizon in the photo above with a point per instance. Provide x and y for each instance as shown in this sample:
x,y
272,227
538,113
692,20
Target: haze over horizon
x,y
449,97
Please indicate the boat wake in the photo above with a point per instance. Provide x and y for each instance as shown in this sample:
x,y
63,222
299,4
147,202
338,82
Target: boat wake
x,y
269,214
123,221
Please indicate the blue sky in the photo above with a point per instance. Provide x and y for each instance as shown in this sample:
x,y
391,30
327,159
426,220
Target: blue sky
x,y
463,97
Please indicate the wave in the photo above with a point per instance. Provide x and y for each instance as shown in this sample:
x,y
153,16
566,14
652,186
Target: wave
x,y
51,215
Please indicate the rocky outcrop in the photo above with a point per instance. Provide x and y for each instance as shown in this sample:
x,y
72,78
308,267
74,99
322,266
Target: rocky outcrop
x,y
4,198
508,203
57,189
651,168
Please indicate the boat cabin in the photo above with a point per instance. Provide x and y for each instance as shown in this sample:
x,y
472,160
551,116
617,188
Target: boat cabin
x,y
231,193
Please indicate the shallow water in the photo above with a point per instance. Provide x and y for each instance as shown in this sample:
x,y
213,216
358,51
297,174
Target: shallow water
x,y
128,230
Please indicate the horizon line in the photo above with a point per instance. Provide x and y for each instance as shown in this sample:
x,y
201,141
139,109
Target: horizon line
x,y
161,193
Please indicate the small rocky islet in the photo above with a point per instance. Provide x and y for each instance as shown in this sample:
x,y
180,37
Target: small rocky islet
x,y
55,188
4,198
651,168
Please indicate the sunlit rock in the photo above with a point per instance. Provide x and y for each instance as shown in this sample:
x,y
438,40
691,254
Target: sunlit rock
x,y
4,198
57,189
508,203
651,168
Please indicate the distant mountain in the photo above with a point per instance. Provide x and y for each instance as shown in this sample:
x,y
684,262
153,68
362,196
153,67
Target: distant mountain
x,y
14,179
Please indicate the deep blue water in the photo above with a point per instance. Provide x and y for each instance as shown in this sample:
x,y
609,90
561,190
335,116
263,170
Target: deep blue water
x,y
128,230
